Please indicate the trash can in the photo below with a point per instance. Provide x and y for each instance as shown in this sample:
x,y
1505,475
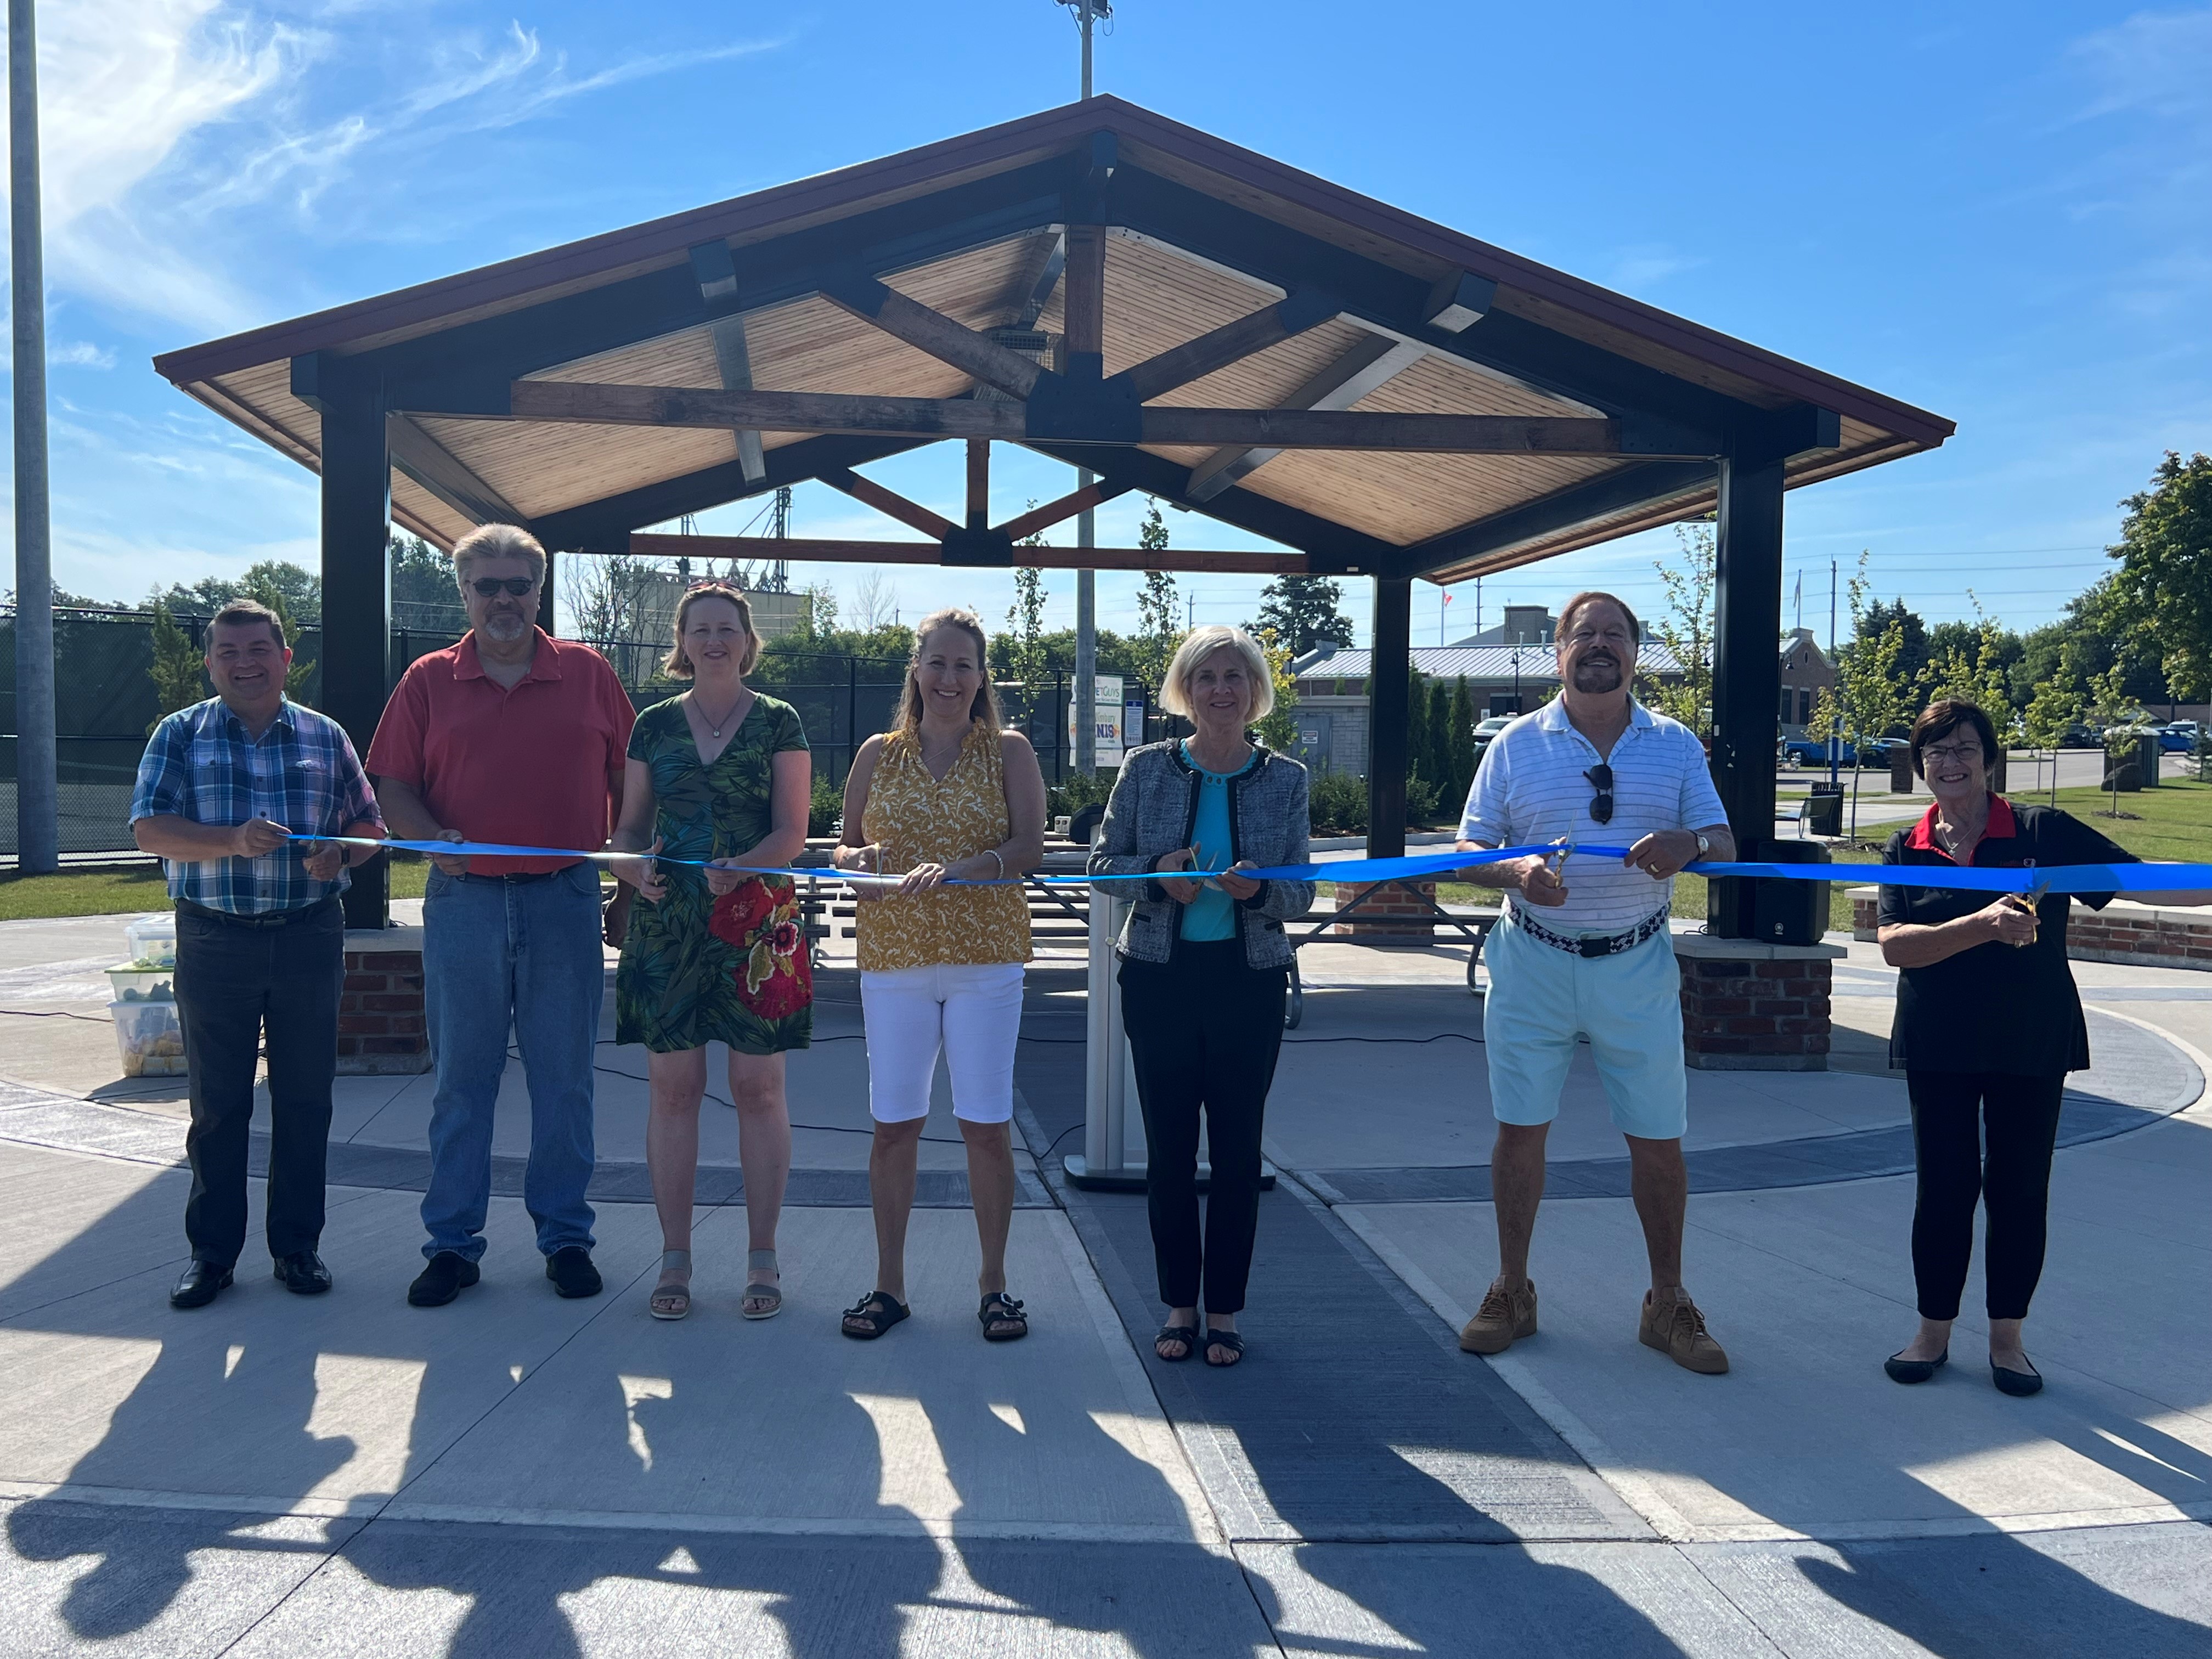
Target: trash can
x,y
1823,810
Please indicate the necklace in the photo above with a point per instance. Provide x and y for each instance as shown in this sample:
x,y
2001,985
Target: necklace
x,y
714,726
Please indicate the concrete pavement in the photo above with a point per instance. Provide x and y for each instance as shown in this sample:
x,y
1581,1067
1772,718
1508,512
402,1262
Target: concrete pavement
x,y
516,1473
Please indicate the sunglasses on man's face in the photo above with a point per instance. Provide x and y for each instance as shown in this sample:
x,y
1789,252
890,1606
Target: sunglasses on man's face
x,y
1601,777
489,586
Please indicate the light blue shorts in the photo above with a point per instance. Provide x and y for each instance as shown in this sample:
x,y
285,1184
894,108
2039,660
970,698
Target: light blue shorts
x,y
1629,1007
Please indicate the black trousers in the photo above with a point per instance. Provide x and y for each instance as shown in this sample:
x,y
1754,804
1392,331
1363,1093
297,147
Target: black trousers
x,y
1204,1032
1952,1112
232,981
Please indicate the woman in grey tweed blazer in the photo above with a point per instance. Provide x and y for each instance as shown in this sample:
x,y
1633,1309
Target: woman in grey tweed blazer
x,y
1205,968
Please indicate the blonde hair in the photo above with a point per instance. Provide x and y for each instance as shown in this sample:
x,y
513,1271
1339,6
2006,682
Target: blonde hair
x,y
498,541
1200,644
677,663
986,706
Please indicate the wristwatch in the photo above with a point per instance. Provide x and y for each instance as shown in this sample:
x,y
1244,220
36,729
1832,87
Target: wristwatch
x,y
1704,846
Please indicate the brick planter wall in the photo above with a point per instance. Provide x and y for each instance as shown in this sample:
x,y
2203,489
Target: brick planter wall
x,y
1393,916
1753,1007
381,1026
2122,930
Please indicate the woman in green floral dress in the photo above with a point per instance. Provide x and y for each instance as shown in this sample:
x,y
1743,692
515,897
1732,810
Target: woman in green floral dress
x,y
721,774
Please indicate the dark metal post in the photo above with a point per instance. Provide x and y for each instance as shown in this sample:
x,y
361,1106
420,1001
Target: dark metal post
x,y
1388,682
357,592
38,795
852,711
1746,657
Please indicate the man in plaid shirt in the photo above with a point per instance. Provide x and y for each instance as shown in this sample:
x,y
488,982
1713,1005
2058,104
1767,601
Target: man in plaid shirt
x,y
260,937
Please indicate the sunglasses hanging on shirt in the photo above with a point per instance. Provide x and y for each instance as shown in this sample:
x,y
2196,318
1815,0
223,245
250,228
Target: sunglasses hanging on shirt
x,y
1601,777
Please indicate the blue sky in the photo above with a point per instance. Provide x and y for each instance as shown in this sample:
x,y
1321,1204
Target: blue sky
x,y
2001,213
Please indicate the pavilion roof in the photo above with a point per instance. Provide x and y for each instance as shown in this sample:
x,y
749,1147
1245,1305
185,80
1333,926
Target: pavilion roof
x,y
1199,234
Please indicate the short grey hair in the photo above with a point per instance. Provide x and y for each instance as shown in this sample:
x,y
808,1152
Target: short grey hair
x,y
497,541
1200,644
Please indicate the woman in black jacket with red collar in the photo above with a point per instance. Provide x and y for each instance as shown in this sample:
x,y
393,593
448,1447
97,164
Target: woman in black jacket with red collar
x,y
1988,1024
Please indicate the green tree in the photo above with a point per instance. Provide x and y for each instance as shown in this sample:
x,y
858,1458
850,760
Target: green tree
x,y
1025,659
1871,698
1462,743
1159,628
179,680
1304,611
300,589
425,598
1280,731
1684,626
1972,665
266,588
2055,706
2114,709
1870,622
2163,588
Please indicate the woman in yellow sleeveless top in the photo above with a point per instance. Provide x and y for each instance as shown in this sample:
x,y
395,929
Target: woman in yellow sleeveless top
x,y
947,795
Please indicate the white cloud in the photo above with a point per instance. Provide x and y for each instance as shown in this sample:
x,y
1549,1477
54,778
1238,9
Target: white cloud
x,y
81,354
1650,264
177,135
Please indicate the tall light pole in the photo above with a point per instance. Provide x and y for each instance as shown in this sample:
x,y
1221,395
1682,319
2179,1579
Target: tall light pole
x,y
1085,692
37,810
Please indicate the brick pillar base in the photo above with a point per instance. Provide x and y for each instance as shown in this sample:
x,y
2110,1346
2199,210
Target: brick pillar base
x,y
1394,915
1753,1007
382,1029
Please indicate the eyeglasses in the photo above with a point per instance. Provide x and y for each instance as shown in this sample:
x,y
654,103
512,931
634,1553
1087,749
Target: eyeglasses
x,y
490,586
1601,777
1954,751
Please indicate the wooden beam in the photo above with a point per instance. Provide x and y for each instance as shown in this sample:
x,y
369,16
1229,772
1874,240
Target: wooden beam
x,y
1459,300
1053,513
771,412
1086,301
432,465
979,483
889,503
736,366
975,355
1040,293
1231,343
1365,366
1228,561
570,401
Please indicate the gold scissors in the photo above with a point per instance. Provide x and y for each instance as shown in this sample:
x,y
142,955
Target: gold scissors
x,y
2029,902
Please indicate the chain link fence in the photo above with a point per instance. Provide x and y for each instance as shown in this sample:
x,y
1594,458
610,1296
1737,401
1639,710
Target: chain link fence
x,y
106,703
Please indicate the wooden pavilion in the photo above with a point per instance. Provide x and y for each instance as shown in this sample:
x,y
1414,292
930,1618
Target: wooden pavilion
x,y
1381,396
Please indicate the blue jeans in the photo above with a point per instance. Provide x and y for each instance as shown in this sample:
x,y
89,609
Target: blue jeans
x,y
524,954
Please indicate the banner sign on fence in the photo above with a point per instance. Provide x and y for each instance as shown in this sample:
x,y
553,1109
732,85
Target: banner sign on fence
x,y
1107,716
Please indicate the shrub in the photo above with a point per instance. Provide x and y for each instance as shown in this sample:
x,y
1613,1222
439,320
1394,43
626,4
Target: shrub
x,y
826,808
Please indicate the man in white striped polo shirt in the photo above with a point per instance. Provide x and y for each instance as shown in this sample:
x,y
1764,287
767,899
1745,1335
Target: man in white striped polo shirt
x,y
1583,951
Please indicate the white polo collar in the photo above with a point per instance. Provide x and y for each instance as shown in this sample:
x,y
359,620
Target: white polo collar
x,y
1553,717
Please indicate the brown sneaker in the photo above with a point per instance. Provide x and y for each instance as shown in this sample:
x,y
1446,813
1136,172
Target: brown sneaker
x,y
1673,1325
1504,1315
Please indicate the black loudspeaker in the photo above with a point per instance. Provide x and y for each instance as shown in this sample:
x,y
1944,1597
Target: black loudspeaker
x,y
1773,912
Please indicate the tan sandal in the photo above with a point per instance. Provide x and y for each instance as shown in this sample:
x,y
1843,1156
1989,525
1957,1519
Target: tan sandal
x,y
672,1298
761,1301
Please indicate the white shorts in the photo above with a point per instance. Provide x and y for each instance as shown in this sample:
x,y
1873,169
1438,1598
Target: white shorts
x,y
1629,1005
973,1013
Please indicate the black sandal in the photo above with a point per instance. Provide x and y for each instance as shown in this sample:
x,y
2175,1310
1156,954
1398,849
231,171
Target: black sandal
x,y
1000,1309
1232,1340
877,1311
1186,1334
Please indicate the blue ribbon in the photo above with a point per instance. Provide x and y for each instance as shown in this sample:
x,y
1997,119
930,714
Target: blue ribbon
x,y
2056,878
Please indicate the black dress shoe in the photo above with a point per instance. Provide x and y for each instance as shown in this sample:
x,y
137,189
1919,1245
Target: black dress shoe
x,y
201,1280
2019,1384
572,1272
303,1272
444,1277
1915,1370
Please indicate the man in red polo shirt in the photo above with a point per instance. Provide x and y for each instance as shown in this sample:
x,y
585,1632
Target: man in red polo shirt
x,y
515,737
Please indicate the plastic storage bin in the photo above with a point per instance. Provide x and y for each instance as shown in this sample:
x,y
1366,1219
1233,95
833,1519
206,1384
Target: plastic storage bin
x,y
152,941
135,984
151,1040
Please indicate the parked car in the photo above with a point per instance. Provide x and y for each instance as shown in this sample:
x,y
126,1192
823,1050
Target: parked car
x,y
2178,739
2079,736
1813,751
1488,729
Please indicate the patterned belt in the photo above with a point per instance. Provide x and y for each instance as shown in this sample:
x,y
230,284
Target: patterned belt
x,y
1592,945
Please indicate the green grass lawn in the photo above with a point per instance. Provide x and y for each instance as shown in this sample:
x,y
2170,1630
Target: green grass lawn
x,y
126,891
